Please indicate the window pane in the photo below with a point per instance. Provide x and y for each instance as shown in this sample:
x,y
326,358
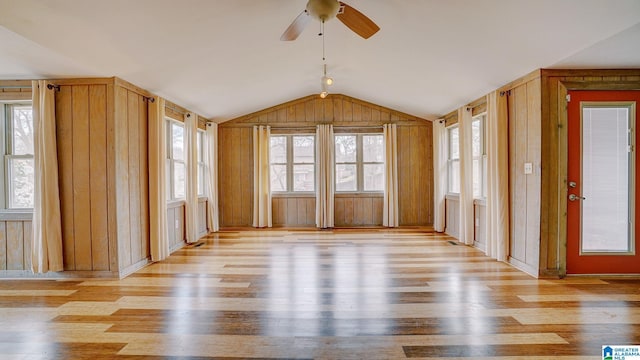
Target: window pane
x,y
278,177
345,148
454,176
372,148
169,183
22,136
21,183
177,133
303,177
476,178
346,178
303,149
454,144
373,177
278,150
199,145
475,138
201,179
178,180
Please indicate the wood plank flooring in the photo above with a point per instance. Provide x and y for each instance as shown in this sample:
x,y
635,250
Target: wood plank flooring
x,y
343,294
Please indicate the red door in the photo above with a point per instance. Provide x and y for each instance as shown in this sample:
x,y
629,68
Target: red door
x,y
603,203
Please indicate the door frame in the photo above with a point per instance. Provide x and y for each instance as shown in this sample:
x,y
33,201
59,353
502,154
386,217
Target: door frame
x,y
563,90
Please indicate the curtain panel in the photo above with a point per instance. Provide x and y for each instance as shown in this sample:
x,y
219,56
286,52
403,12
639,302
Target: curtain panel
x,y
211,160
158,227
497,177
390,204
191,176
325,188
440,174
261,182
46,242
466,177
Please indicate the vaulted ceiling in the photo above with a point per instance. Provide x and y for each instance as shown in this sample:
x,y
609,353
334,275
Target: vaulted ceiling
x,y
223,58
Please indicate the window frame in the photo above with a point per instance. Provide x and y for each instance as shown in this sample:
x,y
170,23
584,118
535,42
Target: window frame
x,y
200,140
171,161
290,164
451,160
6,142
359,163
482,156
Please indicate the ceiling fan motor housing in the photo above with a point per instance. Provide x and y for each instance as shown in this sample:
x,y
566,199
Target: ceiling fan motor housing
x,y
323,10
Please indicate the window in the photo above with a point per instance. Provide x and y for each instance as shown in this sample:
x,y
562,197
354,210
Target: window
x,y
359,162
292,163
479,157
201,164
453,160
18,150
175,160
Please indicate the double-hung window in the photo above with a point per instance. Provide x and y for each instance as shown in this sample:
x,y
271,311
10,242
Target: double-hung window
x,y
175,160
18,169
359,162
292,163
201,164
453,159
479,157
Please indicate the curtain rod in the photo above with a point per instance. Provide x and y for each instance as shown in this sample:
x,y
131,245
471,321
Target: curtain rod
x,y
49,86
313,127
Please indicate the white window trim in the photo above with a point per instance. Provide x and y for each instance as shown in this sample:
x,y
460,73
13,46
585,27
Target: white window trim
x,y
6,127
290,164
483,153
171,161
451,160
359,163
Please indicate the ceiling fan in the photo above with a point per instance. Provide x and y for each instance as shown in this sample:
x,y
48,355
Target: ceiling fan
x,y
324,10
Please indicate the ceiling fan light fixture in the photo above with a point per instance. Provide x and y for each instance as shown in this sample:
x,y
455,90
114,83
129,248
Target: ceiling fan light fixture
x,y
327,80
324,94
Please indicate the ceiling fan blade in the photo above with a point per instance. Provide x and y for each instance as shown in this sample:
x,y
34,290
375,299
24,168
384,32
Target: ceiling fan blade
x,y
357,21
295,29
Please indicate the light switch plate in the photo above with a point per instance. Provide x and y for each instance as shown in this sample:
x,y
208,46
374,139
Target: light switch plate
x,y
528,168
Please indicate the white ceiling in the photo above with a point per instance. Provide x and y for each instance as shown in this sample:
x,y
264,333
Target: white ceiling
x,y
223,58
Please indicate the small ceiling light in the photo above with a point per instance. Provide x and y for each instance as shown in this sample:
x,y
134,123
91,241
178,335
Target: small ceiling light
x,y
325,81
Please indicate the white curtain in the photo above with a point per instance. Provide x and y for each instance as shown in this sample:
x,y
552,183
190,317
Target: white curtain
x,y
158,227
191,176
46,243
390,204
211,159
261,182
440,174
466,177
325,176
497,177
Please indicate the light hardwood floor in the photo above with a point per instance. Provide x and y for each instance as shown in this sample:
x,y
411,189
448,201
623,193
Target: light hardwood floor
x,y
343,294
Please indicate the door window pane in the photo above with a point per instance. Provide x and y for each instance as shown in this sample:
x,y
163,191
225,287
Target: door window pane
x,y
177,137
605,180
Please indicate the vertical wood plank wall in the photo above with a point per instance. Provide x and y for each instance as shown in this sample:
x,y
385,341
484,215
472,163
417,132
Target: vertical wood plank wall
x,y
415,165
82,118
15,245
131,177
524,190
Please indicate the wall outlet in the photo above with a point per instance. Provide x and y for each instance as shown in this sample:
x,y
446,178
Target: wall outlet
x,y
528,168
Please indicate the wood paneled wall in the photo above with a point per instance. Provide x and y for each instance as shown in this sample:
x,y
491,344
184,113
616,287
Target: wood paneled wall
x,y
15,245
235,169
415,164
81,120
524,190
131,177
452,216
554,86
